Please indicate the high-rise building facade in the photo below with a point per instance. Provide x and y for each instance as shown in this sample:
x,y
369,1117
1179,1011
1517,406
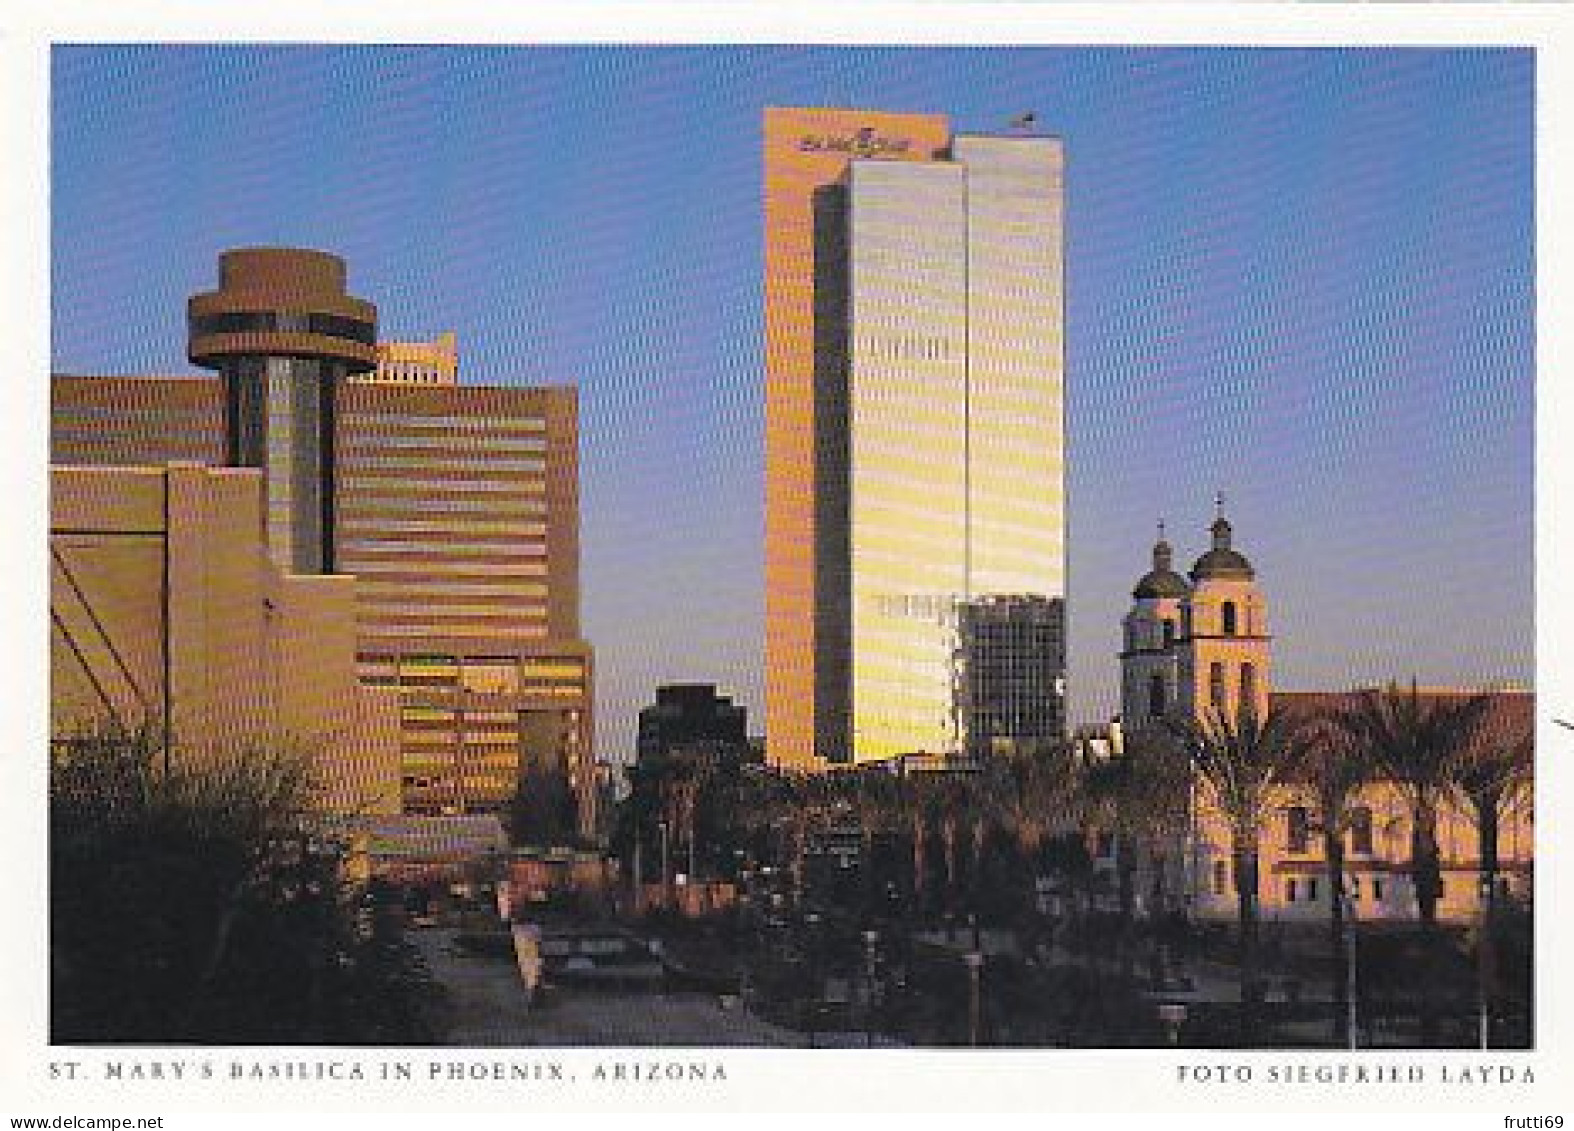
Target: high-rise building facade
x,y
459,516
806,153
1013,666
691,715
914,419
417,363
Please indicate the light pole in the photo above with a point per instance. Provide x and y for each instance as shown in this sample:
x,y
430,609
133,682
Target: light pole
x,y
1484,961
666,865
812,922
975,969
1172,1015
871,939
1352,1034
639,867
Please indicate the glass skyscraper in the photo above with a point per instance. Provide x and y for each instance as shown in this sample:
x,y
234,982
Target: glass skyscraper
x,y
935,396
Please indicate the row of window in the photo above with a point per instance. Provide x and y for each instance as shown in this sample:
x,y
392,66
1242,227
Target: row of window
x,y
330,325
1298,830
367,444
1304,889
390,424
1158,695
1229,623
480,674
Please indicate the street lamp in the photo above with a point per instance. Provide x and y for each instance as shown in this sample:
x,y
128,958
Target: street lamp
x,y
812,922
1352,1034
975,968
1172,1014
871,939
1484,961
666,865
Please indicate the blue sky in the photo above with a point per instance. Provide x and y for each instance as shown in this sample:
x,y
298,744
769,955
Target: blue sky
x,y
1301,277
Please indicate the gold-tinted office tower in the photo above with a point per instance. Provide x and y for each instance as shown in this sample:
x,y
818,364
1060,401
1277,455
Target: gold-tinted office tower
x,y
806,153
914,344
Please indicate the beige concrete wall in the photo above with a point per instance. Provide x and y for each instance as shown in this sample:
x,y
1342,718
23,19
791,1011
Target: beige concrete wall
x,y
167,609
222,676
1208,645
363,767
106,570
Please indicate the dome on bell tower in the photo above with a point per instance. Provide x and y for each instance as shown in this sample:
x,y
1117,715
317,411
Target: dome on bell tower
x,y
1222,561
1161,580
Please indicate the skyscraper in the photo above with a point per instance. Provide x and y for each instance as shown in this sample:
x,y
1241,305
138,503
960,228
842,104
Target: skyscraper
x,y
914,327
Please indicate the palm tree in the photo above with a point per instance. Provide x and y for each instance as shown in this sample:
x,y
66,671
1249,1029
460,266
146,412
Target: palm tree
x,y
876,805
1139,796
920,799
1491,774
1417,741
1335,770
1037,793
807,803
1241,762
751,803
958,800
1112,788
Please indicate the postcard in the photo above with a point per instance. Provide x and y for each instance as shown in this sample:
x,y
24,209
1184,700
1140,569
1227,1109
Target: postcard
x,y
953,558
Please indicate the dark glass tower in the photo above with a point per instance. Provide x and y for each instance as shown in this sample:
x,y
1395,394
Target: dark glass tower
x,y
284,334
1012,671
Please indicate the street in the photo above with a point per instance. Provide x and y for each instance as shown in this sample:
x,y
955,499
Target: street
x,y
490,1009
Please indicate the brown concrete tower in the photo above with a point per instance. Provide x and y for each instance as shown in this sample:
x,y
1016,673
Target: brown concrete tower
x,y
284,334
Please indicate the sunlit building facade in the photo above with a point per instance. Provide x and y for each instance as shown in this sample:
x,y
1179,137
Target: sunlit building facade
x,y
1197,647
459,517
416,363
914,420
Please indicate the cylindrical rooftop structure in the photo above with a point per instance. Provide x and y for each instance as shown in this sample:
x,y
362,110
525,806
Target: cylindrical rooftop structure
x,y
278,301
284,333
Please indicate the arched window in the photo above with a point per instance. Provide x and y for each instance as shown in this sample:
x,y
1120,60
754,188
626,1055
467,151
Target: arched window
x,y
1229,618
1169,632
1248,687
1216,686
1156,704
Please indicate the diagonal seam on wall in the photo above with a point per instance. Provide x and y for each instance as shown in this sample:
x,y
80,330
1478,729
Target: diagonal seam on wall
x,y
103,638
